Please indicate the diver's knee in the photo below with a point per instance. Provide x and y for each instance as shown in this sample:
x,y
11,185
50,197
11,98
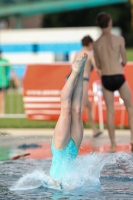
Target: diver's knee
x,y
66,108
77,110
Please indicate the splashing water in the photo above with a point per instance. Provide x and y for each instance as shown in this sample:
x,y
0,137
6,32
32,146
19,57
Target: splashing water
x,y
93,176
85,170
34,180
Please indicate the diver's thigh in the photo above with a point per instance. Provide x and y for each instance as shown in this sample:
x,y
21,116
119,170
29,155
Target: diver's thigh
x,y
62,131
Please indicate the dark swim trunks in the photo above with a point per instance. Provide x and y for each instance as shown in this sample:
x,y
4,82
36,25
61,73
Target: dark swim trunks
x,y
113,82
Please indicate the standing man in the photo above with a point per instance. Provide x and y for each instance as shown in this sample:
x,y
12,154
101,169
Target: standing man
x,y
4,80
107,51
87,46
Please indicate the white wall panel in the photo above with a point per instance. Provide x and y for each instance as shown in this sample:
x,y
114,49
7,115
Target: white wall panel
x,y
50,35
29,58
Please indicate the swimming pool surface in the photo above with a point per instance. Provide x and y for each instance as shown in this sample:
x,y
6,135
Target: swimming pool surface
x,y
94,176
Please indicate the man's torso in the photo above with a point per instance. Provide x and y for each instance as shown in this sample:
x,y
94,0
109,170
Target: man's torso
x,y
107,49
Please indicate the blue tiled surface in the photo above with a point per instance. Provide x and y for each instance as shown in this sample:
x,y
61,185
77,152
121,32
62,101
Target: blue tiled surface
x,y
56,48
45,47
59,47
16,48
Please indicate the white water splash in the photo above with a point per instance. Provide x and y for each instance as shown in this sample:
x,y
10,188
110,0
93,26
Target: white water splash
x,y
85,170
34,180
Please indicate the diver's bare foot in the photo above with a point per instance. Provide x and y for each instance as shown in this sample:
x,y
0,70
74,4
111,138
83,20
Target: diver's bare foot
x,y
78,65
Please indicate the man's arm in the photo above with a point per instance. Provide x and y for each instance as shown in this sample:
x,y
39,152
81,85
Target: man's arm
x,y
123,52
92,59
96,58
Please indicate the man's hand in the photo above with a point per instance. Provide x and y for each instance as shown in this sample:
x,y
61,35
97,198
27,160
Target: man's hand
x,y
123,64
98,71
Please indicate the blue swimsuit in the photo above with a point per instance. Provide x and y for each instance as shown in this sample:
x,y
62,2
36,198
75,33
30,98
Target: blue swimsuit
x,y
62,159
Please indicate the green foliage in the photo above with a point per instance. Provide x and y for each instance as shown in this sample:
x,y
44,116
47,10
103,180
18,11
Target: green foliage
x,y
25,123
129,54
4,153
14,102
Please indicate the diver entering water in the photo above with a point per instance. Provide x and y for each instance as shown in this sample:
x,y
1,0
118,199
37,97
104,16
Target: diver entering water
x,y
67,138
68,132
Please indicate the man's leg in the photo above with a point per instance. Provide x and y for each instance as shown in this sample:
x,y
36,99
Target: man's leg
x,y
2,102
109,101
62,130
76,123
127,98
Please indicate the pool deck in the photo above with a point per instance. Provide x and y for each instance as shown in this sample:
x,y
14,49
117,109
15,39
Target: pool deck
x,y
13,138
49,132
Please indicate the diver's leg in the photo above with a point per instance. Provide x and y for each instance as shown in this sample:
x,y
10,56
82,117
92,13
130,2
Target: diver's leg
x,y
63,127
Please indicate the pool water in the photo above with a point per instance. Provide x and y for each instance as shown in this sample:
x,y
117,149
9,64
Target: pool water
x,y
93,176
